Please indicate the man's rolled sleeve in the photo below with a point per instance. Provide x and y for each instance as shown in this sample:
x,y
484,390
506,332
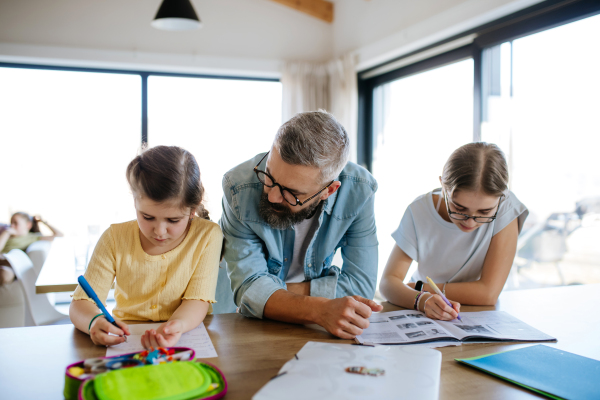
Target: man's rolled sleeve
x,y
257,292
325,286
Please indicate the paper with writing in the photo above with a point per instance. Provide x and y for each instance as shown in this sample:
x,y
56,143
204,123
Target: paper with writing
x,y
196,339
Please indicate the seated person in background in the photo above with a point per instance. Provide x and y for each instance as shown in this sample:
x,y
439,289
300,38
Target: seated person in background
x,y
285,213
166,262
464,236
23,231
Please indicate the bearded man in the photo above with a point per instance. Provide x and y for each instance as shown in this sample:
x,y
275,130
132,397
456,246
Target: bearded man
x,y
285,214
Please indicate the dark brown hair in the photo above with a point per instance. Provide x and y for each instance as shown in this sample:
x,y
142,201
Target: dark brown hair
x,y
476,166
35,228
167,173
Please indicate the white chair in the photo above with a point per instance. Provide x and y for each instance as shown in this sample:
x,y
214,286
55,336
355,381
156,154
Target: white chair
x,y
12,305
38,308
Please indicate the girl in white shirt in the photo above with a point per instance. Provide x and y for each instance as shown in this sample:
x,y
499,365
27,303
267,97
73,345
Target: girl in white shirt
x,y
464,236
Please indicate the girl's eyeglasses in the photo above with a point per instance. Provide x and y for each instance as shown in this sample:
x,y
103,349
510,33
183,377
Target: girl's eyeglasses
x,y
464,217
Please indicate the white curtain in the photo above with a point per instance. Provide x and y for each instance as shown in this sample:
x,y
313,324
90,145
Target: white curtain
x,y
331,86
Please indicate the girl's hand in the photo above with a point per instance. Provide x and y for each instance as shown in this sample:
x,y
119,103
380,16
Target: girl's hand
x,y
100,329
11,231
167,335
436,308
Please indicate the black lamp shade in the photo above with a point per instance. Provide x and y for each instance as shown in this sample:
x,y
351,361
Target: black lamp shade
x,y
176,15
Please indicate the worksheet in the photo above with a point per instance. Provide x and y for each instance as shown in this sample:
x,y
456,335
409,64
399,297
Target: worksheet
x,y
196,339
408,327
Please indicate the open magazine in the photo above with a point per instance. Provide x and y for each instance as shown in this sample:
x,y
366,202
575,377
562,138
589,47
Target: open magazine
x,y
407,327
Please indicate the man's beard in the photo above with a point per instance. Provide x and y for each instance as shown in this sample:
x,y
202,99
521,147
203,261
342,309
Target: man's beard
x,y
278,216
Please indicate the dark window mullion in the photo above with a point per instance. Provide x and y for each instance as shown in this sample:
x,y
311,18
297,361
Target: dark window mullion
x,y
144,109
477,94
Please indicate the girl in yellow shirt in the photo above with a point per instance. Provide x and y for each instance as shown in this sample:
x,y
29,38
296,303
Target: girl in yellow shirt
x,y
165,262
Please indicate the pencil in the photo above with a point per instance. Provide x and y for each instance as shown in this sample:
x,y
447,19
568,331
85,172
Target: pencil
x,y
438,291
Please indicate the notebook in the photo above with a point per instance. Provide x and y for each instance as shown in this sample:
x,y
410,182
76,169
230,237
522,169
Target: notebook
x,y
551,372
349,372
408,327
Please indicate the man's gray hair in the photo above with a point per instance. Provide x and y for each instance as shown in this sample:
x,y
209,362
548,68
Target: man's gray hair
x,y
315,139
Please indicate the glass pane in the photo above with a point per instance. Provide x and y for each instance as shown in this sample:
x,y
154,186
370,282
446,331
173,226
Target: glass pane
x,y
419,121
543,110
67,138
222,122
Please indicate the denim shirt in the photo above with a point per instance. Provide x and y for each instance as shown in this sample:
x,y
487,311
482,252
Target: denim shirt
x,y
259,256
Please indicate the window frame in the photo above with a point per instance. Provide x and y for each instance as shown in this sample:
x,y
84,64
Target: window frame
x,y
144,75
537,18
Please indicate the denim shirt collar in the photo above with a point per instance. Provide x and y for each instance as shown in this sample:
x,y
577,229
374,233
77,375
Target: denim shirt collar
x,y
330,202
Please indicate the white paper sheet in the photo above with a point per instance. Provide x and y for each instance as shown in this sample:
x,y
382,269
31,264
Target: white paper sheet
x,y
196,339
319,373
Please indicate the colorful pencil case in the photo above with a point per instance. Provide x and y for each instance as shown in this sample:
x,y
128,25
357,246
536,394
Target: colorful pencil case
x,y
133,377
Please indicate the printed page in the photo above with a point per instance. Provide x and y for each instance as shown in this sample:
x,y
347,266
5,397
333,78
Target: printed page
x,y
403,327
329,371
497,325
196,339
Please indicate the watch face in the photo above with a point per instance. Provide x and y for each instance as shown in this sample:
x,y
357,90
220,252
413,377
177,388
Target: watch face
x,y
419,285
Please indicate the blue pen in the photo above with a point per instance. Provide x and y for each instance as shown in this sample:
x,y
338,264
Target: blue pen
x,y
92,295
438,291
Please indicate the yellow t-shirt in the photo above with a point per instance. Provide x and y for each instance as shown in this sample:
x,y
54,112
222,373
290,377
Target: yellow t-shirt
x,y
152,287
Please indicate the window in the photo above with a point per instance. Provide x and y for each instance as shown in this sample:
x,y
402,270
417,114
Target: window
x,y
541,106
221,122
420,120
71,134
67,138
527,82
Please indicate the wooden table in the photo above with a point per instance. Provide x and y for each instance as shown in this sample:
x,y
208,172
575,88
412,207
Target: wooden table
x,y
32,360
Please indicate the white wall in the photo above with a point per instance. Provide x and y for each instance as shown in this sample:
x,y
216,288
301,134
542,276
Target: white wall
x,y
238,37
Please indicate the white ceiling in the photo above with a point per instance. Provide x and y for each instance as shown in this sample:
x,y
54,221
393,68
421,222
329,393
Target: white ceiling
x,y
241,28
237,34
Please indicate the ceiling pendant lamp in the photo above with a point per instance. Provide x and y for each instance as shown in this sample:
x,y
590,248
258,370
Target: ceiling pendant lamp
x,y
176,15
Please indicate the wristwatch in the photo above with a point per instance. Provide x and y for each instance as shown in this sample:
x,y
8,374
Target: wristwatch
x,y
419,286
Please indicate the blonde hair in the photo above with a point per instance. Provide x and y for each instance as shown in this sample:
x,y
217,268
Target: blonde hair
x,y
476,166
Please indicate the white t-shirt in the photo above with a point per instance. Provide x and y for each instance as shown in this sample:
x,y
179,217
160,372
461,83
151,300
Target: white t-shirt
x,y
443,251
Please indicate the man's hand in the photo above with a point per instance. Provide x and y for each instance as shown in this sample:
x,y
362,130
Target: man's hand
x,y
167,335
346,317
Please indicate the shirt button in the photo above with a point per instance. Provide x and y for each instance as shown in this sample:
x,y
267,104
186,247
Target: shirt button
x,y
164,257
153,307
309,265
285,259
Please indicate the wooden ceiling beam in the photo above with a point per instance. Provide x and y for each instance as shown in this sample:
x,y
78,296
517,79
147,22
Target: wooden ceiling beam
x,y
321,9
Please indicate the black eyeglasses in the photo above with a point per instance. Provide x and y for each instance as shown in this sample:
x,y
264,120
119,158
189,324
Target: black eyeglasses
x,y
286,193
464,217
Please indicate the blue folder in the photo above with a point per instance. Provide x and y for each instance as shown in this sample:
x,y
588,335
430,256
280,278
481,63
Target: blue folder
x,y
552,372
